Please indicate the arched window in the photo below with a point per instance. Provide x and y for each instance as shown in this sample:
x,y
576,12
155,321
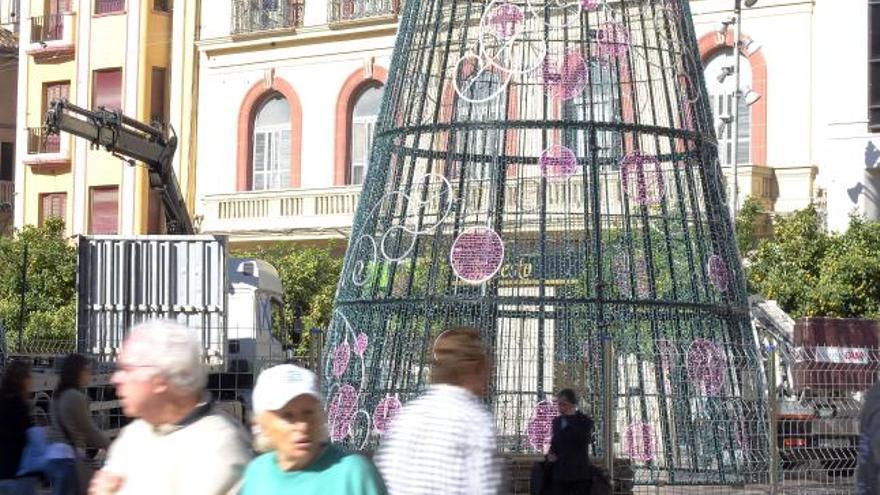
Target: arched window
x,y
271,158
721,96
363,123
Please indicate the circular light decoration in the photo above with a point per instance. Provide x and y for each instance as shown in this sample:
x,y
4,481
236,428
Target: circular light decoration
x,y
558,162
612,39
540,427
705,366
718,274
642,178
638,440
360,344
476,255
564,74
385,412
505,20
590,5
343,409
341,357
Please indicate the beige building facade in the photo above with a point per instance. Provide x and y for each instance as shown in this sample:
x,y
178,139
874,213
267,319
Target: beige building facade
x,y
287,95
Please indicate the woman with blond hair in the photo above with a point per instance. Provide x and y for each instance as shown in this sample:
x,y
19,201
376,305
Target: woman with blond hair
x,y
444,441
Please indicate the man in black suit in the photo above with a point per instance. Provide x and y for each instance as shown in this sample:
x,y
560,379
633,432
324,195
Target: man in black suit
x,y
570,471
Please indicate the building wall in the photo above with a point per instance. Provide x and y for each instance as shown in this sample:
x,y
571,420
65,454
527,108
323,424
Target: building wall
x,y
316,62
814,101
134,40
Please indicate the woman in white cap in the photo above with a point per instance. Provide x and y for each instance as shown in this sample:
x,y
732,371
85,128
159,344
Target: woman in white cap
x,y
288,410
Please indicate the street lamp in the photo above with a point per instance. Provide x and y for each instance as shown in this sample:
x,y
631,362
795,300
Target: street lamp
x,y
736,20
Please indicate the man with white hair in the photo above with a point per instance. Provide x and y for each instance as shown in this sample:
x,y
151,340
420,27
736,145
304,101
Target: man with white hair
x,y
179,443
287,407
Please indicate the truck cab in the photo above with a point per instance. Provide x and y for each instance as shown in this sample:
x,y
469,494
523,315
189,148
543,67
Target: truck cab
x,y
255,316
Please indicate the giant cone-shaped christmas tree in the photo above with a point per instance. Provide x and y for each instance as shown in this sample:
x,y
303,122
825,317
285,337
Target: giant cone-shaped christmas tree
x,y
547,171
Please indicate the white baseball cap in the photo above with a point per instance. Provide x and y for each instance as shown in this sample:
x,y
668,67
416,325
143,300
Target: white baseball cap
x,y
280,384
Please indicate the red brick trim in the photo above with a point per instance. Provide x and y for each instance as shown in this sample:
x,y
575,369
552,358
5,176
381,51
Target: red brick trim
x,y
351,89
246,115
709,47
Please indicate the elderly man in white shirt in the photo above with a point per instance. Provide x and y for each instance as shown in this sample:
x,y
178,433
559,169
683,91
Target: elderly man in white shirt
x,y
180,444
444,441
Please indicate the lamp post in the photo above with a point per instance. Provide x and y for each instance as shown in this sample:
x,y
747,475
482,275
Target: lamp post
x,y
737,94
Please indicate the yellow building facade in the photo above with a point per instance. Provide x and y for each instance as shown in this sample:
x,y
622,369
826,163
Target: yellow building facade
x,y
112,53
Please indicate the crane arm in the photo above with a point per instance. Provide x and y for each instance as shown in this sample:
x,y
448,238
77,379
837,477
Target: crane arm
x,y
133,140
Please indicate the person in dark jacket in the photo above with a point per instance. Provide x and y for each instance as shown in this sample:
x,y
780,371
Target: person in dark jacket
x,y
72,429
568,461
15,417
868,473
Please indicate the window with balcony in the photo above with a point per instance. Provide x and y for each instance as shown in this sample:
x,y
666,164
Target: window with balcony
x,y
599,102
107,89
363,125
250,16
50,27
104,210
721,96
271,142
52,205
109,6
352,10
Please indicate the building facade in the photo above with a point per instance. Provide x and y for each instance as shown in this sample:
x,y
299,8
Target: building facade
x,y
804,124
8,86
111,53
288,91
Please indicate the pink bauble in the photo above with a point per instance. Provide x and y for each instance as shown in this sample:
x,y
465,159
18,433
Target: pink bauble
x,y
343,408
385,412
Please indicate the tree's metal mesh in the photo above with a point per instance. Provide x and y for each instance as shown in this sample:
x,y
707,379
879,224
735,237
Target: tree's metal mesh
x,y
547,172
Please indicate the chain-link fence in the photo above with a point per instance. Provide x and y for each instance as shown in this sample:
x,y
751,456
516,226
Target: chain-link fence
x,y
805,441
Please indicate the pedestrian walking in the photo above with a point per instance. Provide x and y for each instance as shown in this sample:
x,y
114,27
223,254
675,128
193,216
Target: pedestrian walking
x,y
15,419
179,443
72,430
288,411
568,460
444,441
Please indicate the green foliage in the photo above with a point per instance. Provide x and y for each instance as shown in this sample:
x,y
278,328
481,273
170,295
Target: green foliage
x,y
50,291
814,273
747,220
308,277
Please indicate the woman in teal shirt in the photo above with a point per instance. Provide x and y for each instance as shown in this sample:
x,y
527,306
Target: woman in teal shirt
x,y
287,407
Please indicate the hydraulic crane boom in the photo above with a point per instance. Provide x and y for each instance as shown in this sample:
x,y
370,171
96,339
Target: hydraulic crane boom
x,y
133,140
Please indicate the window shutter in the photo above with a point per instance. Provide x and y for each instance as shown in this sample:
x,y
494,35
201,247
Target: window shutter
x,y
105,210
53,205
107,89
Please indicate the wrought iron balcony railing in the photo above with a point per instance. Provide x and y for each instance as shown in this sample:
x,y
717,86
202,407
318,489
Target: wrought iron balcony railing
x,y
109,6
39,141
47,28
253,16
351,10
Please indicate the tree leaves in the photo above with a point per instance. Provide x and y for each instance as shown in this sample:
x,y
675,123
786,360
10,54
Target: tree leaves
x,y
813,273
50,288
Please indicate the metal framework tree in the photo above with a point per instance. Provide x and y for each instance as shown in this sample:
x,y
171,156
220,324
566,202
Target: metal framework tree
x,y
546,170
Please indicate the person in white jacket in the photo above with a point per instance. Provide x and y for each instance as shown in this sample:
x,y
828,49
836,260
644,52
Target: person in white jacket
x,y
444,441
179,443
